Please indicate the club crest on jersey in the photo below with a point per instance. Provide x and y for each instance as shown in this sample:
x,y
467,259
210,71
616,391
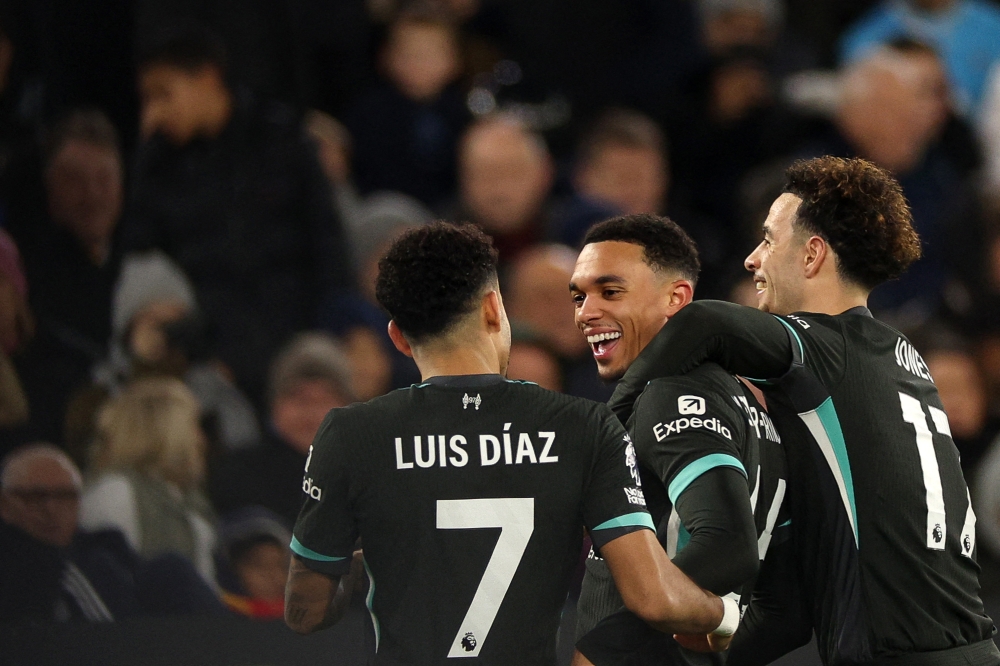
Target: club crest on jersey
x,y
631,461
690,404
467,400
938,533
469,642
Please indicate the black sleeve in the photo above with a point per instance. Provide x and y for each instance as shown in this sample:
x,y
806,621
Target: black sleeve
x,y
721,554
613,501
326,530
777,620
742,340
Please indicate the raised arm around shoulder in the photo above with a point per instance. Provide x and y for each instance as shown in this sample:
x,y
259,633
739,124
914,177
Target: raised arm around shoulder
x,y
315,601
656,590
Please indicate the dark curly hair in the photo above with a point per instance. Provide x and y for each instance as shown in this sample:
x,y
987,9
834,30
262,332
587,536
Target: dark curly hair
x,y
859,209
432,275
665,246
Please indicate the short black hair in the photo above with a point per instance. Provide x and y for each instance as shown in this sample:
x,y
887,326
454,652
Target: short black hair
x,y
665,246
433,275
859,209
188,47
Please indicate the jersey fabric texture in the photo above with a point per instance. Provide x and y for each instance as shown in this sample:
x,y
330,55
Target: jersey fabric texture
x,y
884,528
684,428
469,494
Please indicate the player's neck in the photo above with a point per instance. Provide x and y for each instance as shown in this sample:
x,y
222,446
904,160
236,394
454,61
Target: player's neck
x,y
832,299
450,360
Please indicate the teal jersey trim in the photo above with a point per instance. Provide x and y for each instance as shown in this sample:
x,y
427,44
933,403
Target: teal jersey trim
x,y
786,523
827,414
308,553
683,538
368,603
699,467
637,519
802,351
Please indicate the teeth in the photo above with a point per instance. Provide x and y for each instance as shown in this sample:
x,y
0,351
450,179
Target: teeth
x,y
601,337
760,285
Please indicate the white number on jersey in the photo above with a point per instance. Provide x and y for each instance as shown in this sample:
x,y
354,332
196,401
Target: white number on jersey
x,y
516,519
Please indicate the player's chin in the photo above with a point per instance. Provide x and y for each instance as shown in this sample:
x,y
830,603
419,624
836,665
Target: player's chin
x,y
609,371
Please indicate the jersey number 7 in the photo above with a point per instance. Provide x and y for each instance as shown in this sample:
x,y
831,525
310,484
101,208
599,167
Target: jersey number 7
x,y
515,516
937,526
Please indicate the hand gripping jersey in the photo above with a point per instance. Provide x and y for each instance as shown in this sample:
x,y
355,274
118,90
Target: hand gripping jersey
x,y
469,494
884,529
683,428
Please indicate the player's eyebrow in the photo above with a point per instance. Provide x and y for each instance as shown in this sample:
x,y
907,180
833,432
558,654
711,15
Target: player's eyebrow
x,y
767,229
602,280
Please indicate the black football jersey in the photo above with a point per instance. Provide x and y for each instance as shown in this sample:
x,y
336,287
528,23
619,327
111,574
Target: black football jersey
x,y
682,428
469,494
884,528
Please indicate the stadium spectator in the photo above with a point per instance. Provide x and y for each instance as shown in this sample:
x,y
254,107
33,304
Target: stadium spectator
x,y
147,468
505,178
73,265
532,359
52,570
537,288
252,563
334,149
159,331
964,32
309,377
230,188
622,162
893,108
405,130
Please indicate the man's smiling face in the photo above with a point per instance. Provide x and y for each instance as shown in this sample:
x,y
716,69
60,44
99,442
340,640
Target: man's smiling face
x,y
777,262
621,303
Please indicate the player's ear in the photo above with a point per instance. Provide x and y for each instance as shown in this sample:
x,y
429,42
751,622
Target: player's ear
x,y
493,311
817,252
681,292
398,340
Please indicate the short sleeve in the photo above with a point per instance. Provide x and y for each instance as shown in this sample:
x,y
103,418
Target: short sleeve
x,y
326,531
613,501
681,430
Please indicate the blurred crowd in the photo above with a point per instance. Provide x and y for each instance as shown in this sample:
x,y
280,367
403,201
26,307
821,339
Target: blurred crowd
x,y
194,198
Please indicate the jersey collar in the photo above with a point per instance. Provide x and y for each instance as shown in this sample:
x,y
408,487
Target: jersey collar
x,y
859,310
465,380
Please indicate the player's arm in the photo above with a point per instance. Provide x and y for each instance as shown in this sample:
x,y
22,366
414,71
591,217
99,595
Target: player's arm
x,y
621,529
742,340
777,620
721,554
315,601
657,591
324,564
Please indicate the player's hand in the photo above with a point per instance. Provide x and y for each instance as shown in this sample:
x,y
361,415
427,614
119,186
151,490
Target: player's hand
x,y
704,642
357,572
580,660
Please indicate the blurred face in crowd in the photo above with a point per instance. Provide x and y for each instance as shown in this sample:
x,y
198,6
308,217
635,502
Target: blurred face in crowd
x,y
262,570
533,363
622,303
84,182
147,339
41,496
725,30
738,88
962,391
631,178
536,296
894,106
422,58
298,413
182,105
505,176
777,262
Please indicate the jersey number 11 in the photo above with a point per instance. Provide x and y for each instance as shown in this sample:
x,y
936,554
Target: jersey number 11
x,y
937,527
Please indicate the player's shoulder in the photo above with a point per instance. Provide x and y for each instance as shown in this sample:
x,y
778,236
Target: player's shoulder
x,y
708,380
545,400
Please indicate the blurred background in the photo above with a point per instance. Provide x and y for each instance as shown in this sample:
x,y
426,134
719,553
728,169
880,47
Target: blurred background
x,y
194,197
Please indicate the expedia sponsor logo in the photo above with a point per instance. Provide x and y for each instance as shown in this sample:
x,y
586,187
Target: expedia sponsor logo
x,y
664,430
635,496
690,404
309,489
